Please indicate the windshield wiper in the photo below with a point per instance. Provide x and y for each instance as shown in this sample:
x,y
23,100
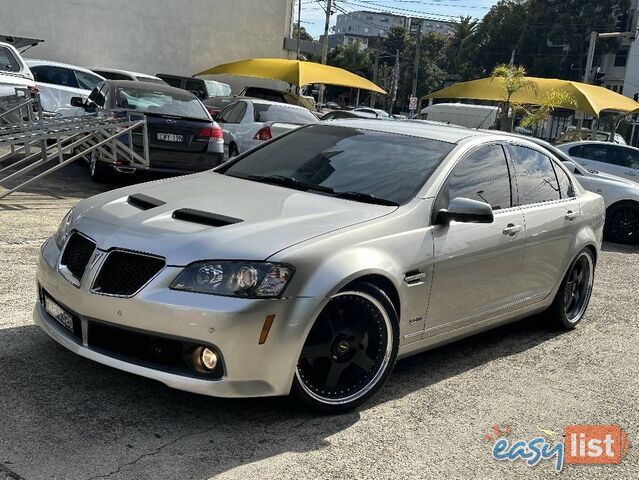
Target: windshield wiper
x,y
365,198
284,181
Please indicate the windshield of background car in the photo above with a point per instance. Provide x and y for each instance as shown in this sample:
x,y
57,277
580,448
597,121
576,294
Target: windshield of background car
x,y
161,102
388,166
277,113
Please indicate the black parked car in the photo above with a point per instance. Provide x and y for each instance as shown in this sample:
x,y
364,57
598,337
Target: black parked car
x,y
182,136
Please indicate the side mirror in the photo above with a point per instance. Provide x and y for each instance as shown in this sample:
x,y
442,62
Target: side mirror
x,y
77,102
466,210
570,165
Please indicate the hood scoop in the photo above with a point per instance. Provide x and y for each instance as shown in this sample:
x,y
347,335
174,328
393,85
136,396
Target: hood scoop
x,y
204,218
144,202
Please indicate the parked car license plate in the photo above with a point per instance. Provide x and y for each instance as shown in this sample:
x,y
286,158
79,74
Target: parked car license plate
x,y
170,137
63,317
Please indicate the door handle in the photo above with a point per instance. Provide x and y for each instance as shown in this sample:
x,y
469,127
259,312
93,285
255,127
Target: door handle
x,y
511,229
570,215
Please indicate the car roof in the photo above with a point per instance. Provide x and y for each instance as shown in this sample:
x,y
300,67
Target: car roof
x,y
260,101
130,72
444,133
32,62
595,142
147,86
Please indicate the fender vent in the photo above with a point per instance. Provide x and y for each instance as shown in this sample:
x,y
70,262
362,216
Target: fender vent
x,y
144,202
204,218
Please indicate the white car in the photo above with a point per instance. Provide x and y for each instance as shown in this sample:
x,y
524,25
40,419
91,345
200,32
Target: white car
x,y
14,73
117,74
619,160
377,112
249,122
59,82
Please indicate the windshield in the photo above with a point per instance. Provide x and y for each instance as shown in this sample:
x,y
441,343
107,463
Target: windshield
x,y
161,102
383,165
278,113
217,89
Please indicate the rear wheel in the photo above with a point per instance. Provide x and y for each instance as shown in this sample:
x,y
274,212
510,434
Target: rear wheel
x,y
622,223
349,352
233,152
97,170
573,296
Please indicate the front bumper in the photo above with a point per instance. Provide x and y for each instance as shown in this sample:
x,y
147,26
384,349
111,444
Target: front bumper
x,y
232,325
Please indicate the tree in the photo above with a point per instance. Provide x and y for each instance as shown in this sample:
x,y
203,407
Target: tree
x,y
513,80
537,116
461,30
304,35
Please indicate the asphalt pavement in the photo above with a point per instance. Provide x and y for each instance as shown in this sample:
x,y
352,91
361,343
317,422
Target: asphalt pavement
x,y
65,417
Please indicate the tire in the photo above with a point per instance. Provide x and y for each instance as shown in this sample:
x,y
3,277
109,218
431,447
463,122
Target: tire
x,y
350,351
573,296
97,170
622,223
233,151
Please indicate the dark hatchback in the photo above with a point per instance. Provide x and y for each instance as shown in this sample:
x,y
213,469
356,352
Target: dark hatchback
x,y
182,136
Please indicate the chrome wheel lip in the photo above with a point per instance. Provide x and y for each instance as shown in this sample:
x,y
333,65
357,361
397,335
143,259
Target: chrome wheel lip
x,y
587,287
381,369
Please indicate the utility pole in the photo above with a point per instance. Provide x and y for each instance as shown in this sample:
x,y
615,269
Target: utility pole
x,y
329,5
418,46
299,28
375,67
591,55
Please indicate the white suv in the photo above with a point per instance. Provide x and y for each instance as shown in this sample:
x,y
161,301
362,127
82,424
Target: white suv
x,y
58,82
14,73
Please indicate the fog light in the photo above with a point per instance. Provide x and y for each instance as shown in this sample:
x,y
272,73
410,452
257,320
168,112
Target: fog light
x,y
208,358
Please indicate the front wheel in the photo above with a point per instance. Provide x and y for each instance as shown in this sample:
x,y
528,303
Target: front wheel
x,y
573,296
349,352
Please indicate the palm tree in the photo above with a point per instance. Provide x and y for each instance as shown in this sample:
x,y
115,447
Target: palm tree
x,y
514,79
461,30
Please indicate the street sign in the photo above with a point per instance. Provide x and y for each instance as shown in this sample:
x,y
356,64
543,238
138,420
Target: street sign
x,y
412,105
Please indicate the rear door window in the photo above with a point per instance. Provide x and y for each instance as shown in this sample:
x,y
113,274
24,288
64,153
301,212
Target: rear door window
x,y
196,87
86,80
55,75
8,61
565,185
232,113
536,177
484,176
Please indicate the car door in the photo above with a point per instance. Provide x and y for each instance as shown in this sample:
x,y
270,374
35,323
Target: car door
x,y
551,213
56,86
476,265
229,119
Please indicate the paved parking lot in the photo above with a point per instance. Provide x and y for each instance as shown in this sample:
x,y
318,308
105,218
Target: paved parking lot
x,y
64,417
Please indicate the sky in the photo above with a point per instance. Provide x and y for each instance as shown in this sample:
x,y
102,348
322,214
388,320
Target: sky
x,y
313,13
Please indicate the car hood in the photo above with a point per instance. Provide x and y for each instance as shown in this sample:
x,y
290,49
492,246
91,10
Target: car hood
x,y
254,220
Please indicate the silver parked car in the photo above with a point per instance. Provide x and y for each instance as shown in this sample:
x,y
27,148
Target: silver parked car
x,y
249,122
312,263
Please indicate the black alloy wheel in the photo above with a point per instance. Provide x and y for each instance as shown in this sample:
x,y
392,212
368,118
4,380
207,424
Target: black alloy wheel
x,y
622,223
349,351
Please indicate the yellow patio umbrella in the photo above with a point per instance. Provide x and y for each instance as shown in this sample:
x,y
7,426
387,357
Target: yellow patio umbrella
x,y
589,99
295,72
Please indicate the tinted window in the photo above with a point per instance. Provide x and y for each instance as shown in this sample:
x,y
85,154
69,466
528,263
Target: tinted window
x,y
565,185
86,80
264,94
174,82
594,151
196,86
148,100
113,75
55,75
280,113
388,166
625,157
483,175
233,113
535,176
8,62
575,151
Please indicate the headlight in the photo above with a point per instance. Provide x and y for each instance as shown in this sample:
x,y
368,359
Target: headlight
x,y
64,229
235,278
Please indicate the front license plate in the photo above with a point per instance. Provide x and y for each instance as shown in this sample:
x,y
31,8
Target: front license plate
x,y
170,137
63,317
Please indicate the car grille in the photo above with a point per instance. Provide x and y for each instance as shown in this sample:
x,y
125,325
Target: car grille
x,y
77,254
124,273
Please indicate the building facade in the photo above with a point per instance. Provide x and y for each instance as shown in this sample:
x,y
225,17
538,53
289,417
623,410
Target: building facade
x,y
377,24
151,36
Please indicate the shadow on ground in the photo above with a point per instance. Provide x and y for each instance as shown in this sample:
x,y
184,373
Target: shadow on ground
x,y
67,417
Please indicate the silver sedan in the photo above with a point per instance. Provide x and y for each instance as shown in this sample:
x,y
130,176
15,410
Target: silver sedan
x,y
314,262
